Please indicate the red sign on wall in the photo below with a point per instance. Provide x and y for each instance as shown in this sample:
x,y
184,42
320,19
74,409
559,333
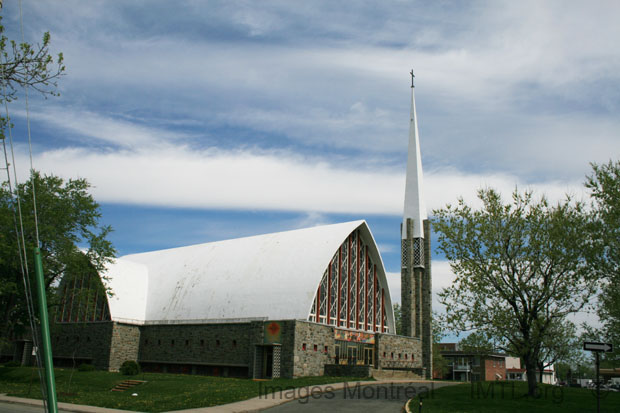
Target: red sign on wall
x,y
273,332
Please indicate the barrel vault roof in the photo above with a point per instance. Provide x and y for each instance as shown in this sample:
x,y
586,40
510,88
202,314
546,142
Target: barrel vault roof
x,y
271,276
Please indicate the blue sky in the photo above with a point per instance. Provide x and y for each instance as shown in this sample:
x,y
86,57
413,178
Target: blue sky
x,y
198,121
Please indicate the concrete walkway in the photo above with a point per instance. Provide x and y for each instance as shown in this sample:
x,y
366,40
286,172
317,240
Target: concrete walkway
x,y
68,407
251,405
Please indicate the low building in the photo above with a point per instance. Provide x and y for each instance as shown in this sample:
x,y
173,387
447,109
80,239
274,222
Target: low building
x,y
471,366
516,372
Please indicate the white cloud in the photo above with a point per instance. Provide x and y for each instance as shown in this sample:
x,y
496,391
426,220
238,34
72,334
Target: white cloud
x,y
502,89
182,176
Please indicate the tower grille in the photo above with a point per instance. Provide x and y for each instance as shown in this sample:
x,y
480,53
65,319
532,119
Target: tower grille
x,y
418,252
404,259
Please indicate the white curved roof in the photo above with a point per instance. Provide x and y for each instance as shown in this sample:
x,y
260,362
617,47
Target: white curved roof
x,y
273,276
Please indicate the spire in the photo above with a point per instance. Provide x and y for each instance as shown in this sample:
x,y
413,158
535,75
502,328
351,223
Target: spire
x,y
415,207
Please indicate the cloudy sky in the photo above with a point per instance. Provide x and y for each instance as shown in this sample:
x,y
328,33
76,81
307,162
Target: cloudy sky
x,y
198,121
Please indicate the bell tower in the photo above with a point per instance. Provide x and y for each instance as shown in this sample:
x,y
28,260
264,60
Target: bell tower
x,y
416,249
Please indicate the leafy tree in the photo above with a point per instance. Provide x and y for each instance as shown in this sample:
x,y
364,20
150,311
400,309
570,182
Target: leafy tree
x,y
477,343
560,344
604,186
398,318
71,240
520,268
25,65
440,364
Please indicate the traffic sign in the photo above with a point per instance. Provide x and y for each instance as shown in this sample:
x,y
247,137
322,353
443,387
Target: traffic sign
x,y
591,346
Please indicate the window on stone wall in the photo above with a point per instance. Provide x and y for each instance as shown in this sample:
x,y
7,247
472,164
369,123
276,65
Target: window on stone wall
x,y
172,343
187,342
202,342
234,343
384,354
392,355
406,357
316,347
399,355
217,343
303,346
159,342
146,341
326,350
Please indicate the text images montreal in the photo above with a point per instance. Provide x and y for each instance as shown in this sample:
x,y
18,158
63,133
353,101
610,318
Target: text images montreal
x,y
350,391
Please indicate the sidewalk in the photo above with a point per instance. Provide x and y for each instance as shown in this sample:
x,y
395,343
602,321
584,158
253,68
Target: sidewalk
x,y
251,405
61,406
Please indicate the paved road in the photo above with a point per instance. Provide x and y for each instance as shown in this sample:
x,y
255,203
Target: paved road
x,y
374,398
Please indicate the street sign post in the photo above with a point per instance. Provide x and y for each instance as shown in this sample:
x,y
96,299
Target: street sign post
x,y
597,349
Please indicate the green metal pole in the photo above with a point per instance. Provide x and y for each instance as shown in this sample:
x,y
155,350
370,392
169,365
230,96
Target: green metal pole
x,y
50,382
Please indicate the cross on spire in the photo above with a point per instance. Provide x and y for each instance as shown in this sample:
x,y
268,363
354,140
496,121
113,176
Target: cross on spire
x,y
415,207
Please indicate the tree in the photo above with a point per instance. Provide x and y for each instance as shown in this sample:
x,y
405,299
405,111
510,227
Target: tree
x,y
440,364
604,186
25,65
561,344
398,319
477,343
71,240
22,65
520,268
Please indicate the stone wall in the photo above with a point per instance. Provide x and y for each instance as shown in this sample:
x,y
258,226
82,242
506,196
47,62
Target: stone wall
x,y
427,304
124,345
398,352
314,347
222,344
287,350
77,343
346,370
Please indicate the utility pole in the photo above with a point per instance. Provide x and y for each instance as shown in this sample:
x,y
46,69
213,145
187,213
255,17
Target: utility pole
x,y
50,382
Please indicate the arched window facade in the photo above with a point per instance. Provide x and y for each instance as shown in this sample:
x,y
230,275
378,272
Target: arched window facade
x,y
83,298
351,294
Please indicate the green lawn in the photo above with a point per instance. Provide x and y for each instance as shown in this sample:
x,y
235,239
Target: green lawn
x,y
490,397
161,392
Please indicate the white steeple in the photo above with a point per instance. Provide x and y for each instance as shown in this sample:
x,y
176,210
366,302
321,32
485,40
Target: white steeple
x,y
415,207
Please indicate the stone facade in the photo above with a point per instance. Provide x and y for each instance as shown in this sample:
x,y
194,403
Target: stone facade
x,y
398,352
314,347
427,305
77,343
416,293
124,345
227,349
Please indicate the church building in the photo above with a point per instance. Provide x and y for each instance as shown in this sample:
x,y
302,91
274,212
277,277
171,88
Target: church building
x,y
298,303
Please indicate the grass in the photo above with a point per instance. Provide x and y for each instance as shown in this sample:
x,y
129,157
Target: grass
x,y
491,397
161,392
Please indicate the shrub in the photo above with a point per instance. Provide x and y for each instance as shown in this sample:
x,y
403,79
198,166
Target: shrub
x,y
130,368
12,363
86,367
